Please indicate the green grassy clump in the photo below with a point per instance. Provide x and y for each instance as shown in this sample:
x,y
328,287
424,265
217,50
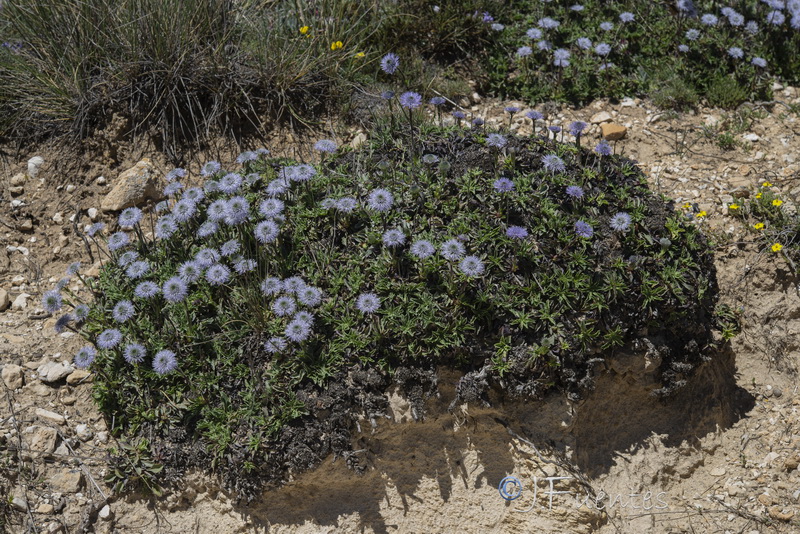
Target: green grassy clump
x,y
527,285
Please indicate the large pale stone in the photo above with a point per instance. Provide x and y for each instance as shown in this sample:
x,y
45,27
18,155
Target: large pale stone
x,y
67,481
132,187
13,376
599,118
54,371
5,302
40,438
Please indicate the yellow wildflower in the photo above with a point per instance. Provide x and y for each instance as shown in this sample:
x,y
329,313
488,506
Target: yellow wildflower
x,y
777,247
304,30
758,226
766,184
336,45
686,205
759,195
734,206
777,202
360,55
702,214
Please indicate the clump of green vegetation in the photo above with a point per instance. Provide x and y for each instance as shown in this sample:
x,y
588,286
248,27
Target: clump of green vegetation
x,y
280,300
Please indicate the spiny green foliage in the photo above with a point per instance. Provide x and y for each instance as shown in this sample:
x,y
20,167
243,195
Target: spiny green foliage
x,y
542,311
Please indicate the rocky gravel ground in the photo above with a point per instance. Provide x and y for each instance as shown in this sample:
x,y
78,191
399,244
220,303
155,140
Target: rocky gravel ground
x,y
741,476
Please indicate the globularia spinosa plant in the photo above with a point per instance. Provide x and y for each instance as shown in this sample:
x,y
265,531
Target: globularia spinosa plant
x,y
225,318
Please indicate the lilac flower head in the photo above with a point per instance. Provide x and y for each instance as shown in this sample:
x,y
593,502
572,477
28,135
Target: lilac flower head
x,y
309,296
267,231
498,27
380,200
81,312
183,210
422,249
229,248
134,353
85,357
190,271
487,18
117,240
602,49
576,8
164,362
534,115
230,183
606,26
275,344
516,232
553,163
603,148
207,229
284,306
620,222
92,229
683,48
544,45
735,18
554,129
736,52
211,168
709,20
387,95
759,62
626,16
534,34
297,331
218,274
390,63
692,34
776,18
293,284
410,100
584,43
305,317
437,101
393,237
108,339
172,188
346,204
583,229
146,290
575,191
123,311
511,109
194,194
577,128
496,140
174,289
166,226
137,269
247,155
237,210
368,303
524,51
561,57
452,250
471,266
206,257
51,301
477,121
175,173
130,217
326,146
548,24
63,322
686,7
503,185
459,115
243,265
271,286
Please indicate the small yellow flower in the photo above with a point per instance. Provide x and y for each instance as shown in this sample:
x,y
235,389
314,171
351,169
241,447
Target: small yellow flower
x,y
777,247
336,45
304,30
701,214
766,184
758,226
686,205
360,55
734,206
759,195
777,202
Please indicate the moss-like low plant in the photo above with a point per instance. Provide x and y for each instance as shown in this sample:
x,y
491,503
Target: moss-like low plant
x,y
279,301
